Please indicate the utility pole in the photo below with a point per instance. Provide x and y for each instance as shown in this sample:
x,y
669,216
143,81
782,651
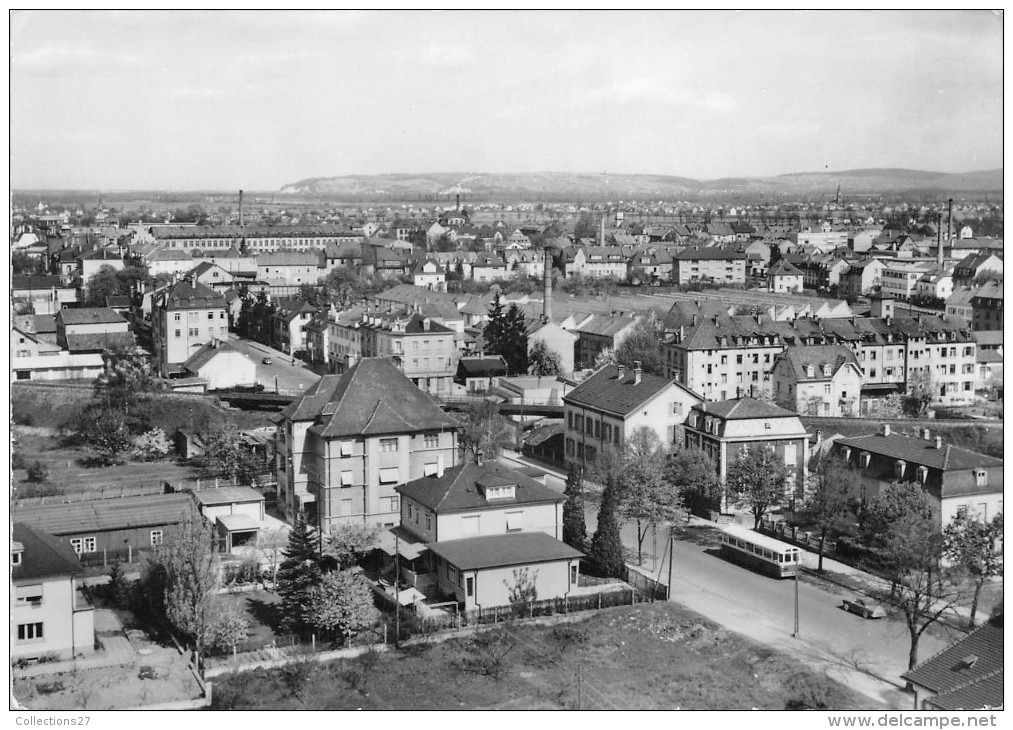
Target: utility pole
x,y
795,632
671,560
397,598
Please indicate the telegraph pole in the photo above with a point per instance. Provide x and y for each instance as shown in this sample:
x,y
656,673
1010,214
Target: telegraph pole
x,y
397,598
795,632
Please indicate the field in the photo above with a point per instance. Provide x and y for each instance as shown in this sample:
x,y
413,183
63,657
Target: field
x,y
650,656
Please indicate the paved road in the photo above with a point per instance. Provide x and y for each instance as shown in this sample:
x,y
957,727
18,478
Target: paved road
x,y
867,655
289,376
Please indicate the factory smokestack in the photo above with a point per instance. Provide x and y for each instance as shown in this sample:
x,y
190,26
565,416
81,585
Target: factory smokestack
x,y
949,221
601,231
547,294
939,241
458,202
242,222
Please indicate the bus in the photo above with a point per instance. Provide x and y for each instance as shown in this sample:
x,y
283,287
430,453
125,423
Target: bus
x,y
759,552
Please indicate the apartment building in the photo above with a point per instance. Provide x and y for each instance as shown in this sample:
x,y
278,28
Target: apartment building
x,y
817,381
185,316
899,278
351,439
256,239
606,408
600,333
720,265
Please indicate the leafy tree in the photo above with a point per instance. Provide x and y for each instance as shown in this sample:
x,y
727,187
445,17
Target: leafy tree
x,y
693,473
902,526
104,431
347,544
645,496
190,574
315,295
103,283
585,227
543,360
606,550
126,372
523,590
758,479
975,546
890,407
271,545
484,429
921,391
643,345
223,453
831,504
151,445
299,573
603,358
254,320
574,527
227,626
340,603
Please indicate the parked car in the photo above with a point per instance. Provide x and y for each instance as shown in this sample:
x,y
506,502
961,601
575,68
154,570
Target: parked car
x,y
267,361
864,607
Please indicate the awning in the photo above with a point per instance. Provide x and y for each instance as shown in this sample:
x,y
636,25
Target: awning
x,y
409,548
239,523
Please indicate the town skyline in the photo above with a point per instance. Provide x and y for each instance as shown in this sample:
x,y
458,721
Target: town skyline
x,y
193,101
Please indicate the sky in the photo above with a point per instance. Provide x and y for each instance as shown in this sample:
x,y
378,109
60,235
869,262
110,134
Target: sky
x,y
221,100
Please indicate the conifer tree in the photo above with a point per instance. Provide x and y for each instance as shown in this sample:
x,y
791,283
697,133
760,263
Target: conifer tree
x,y
574,528
606,546
299,573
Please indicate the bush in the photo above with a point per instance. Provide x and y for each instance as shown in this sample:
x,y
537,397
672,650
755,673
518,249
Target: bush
x,y
151,445
49,658
808,691
38,472
48,688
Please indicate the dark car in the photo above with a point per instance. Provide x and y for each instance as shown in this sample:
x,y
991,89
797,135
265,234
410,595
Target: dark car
x,y
267,361
864,607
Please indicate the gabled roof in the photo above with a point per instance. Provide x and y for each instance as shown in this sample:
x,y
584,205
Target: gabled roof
x,y
710,252
920,451
372,398
736,409
43,555
518,548
607,390
89,315
460,488
187,294
784,268
207,353
968,674
482,367
105,514
605,326
800,358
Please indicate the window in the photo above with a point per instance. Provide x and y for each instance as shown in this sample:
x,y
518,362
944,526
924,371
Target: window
x,y
514,521
29,594
980,478
431,440
389,476
677,409
469,583
177,333
211,315
176,317
789,454
156,538
429,521
864,458
30,632
193,331
923,474
83,544
388,445
573,575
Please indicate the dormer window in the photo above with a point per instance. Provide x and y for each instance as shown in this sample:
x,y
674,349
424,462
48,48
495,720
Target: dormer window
x,y
864,458
923,474
809,371
16,556
847,454
980,478
898,468
826,370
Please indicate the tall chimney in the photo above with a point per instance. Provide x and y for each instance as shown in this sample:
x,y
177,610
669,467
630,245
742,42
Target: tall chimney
x,y
949,220
459,203
242,222
547,294
601,231
939,240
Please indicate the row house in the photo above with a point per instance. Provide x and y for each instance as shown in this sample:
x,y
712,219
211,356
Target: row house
x,y
822,380
605,409
350,440
715,264
953,478
725,429
720,357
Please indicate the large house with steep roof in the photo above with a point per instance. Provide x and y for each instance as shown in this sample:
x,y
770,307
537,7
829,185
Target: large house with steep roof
x,y
822,380
725,429
351,439
955,479
49,614
605,409
600,333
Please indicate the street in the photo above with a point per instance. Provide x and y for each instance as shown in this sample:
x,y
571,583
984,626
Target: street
x,y
866,655
281,373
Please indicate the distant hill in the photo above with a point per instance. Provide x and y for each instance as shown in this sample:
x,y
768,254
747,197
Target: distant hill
x,y
597,185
